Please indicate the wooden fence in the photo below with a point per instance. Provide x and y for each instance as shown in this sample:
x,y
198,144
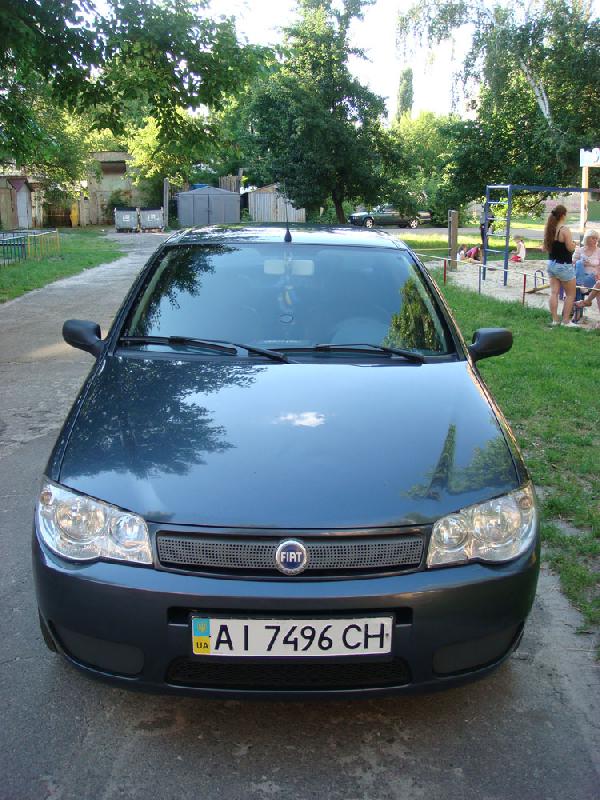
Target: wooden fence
x,y
271,207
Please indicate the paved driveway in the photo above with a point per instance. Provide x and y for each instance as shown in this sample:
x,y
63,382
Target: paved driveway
x,y
526,732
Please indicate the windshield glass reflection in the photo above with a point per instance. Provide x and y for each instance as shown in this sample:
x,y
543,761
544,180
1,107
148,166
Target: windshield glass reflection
x,y
276,296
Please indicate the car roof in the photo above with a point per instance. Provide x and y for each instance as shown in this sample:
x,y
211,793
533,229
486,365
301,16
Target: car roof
x,y
301,234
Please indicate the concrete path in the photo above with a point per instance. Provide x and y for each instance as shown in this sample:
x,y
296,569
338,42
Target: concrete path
x,y
40,373
527,732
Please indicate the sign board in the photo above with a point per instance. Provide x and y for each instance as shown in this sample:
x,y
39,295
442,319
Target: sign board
x,y
589,158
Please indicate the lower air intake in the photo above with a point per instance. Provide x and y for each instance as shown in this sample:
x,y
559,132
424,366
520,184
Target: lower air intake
x,y
288,676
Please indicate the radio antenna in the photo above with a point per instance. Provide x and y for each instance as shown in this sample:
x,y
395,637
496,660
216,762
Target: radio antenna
x,y
288,236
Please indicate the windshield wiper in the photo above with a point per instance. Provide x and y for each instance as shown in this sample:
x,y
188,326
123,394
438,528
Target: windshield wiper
x,y
220,345
409,355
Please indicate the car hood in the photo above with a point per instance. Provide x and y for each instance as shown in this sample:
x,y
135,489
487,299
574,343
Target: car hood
x,y
313,445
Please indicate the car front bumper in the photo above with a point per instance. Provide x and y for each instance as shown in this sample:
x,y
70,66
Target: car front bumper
x,y
131,625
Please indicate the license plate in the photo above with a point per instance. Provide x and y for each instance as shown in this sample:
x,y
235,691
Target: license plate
x,y
216,636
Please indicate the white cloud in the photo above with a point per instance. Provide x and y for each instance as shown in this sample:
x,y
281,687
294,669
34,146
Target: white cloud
x,y
306,419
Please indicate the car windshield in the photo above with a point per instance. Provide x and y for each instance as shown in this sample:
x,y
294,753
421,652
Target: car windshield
x,y
282,296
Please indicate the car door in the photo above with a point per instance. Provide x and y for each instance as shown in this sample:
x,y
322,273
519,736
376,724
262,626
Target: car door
x,y
389,215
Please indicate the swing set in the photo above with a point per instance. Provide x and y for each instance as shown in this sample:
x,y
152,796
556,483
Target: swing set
x,y
502,194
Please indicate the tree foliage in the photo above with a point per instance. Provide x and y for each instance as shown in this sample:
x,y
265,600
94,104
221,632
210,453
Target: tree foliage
x,y
405,93
429,143
169,55
533,76
158,56
318,128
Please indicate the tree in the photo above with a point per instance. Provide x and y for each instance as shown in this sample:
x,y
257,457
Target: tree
x,y
175,159
168,55
428,142
319,129
405,93
533,77
55,143
162,55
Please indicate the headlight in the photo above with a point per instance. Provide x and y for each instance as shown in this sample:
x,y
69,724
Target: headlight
x,y
78,527
497,530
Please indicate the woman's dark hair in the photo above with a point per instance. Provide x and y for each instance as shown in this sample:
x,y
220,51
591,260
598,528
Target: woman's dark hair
x,y
551,224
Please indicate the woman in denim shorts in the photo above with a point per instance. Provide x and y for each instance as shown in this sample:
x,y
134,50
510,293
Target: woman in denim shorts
x,y
559,244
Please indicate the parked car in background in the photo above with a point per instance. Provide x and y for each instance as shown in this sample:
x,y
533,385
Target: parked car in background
x,y
284,475
389,215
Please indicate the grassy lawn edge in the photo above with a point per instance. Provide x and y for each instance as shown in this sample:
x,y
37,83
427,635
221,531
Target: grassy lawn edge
x,y
80,249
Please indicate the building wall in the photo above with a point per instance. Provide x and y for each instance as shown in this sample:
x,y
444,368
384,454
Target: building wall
x,y
8,205
110,175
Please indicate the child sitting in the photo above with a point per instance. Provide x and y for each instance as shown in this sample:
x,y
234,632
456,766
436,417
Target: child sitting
x,y
474,253
520,253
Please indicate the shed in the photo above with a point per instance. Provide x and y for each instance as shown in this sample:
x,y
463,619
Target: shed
x,y
207,206
16,209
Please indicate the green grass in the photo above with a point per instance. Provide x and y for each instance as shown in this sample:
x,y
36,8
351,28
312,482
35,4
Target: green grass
x,y
537,223
79,249
548,388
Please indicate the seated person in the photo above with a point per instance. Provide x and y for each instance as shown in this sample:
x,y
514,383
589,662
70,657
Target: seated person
x,y
520,253
587,263
462,252
595,293
474,253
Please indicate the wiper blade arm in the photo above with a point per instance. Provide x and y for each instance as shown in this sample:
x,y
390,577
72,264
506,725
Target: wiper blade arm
x,y
208,344
261,351
409,355
222,346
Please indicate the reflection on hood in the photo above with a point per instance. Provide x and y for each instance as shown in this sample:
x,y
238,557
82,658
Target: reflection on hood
x,y
145,416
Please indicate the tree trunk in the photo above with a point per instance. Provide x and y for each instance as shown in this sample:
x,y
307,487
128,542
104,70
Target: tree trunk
x,y
339,208
537,87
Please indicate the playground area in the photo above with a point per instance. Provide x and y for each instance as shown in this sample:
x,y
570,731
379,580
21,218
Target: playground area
x,y
527,284
496,274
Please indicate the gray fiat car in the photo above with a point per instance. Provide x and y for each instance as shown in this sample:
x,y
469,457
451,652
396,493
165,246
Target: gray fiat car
x,y
284,475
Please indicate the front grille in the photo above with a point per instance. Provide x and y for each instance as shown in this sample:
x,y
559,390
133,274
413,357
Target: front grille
x,y
331,555
289,676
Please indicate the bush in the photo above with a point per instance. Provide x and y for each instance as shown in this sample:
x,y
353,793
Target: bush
x,y
118,199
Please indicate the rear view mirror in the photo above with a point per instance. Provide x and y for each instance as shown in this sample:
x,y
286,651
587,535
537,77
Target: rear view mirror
x,y
274,266
303,267
490,342
277,266
84,335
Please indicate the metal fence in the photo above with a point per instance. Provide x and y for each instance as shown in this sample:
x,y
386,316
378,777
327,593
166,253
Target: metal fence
x,y
20,245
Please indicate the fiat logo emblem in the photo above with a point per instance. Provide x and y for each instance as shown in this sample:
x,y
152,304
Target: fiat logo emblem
x,y
291,557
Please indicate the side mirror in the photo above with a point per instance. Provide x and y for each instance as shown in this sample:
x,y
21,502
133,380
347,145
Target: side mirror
x,y
84,335
490,342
